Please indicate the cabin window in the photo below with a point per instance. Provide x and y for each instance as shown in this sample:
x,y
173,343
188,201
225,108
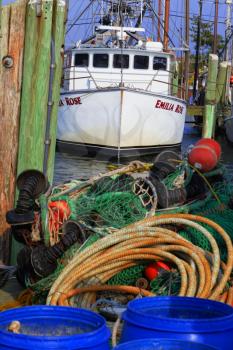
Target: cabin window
x,y
81,60
141,62
160,63
121,61
100,60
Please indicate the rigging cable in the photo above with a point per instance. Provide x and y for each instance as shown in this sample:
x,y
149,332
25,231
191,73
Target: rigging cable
x,y
86,8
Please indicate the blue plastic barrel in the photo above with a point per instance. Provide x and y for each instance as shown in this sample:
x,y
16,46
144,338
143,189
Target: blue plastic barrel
x,y
54,327
189,319
162,344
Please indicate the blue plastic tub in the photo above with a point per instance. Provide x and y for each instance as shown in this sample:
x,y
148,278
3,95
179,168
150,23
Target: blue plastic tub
x,y
54,327
162,344
189,319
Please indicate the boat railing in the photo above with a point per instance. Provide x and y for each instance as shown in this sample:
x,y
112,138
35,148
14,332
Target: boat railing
x,y
130,83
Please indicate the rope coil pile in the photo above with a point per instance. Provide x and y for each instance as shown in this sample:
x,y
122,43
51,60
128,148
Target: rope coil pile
x,y
144,241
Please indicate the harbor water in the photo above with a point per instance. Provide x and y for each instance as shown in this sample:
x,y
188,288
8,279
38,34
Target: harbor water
x,y
68,167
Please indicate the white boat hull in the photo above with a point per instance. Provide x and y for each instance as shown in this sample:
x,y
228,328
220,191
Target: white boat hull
x,y
119,120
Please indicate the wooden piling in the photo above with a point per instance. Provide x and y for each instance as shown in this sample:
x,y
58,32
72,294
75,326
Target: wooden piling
x,y
58,34
35,87
209,120
12,30
225,98
37,133
44,39
221,81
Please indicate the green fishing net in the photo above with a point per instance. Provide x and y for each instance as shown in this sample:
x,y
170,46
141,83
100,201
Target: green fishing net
x,y
128,277
167,283
111,203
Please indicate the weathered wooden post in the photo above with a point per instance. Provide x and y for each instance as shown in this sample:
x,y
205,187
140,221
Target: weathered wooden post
x,y
227,103
44,40
221,81
35,86
31,51
12,26
43,43
58,35
209,119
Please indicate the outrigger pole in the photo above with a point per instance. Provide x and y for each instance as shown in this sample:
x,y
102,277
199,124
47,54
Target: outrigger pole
x,y
166,24
159,19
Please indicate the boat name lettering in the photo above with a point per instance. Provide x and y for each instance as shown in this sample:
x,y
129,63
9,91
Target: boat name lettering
x,y
70,101
169,106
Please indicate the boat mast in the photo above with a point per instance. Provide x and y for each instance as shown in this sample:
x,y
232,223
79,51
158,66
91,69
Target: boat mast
x,y
166,24
187,51
159,19
196,70
216,27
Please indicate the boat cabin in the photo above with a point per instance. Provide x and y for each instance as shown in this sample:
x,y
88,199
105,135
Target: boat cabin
x,y
135,68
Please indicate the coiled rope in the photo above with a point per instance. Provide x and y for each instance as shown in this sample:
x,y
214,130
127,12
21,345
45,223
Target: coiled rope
x,y
144,241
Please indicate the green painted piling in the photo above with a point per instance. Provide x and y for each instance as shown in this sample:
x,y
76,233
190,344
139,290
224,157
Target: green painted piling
x,y
35,87
210,98
41,30
221,81
37,135
58,33
225,99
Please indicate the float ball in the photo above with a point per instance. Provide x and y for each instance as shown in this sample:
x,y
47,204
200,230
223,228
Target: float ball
x,y
203,158
212,144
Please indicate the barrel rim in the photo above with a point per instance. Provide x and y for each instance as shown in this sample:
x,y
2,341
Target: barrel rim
x,y
134,316
150,341
95,337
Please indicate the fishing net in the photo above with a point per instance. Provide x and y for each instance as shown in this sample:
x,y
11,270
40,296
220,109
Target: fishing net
x,y
109,203
167,283
128,277
113,202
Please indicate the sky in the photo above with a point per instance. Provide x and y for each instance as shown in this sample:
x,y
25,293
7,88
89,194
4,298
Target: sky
x,y
177,12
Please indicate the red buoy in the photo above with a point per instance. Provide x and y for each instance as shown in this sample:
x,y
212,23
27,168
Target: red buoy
x,y
152,270
212,144
231,80
203,157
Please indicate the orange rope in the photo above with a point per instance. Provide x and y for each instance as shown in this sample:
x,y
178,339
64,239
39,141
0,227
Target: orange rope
x,y
126,289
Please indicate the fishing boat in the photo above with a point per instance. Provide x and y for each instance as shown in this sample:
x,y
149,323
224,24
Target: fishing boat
x,y
120,96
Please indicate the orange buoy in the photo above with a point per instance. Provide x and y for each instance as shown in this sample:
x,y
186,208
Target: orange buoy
x,y
211,143
59,212
203,157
